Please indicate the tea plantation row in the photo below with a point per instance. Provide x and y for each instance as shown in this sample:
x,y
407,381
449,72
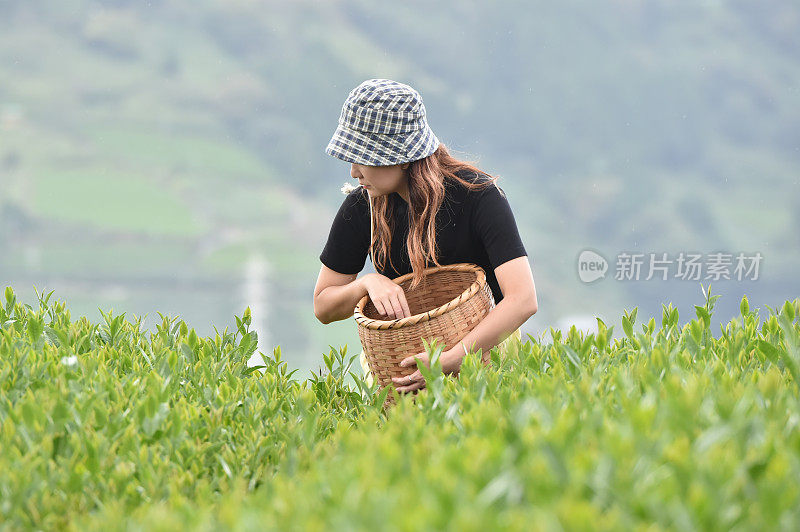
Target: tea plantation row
x,y
107,426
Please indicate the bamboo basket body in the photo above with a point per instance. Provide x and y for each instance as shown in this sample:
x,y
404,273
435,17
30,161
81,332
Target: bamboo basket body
x,y
447,305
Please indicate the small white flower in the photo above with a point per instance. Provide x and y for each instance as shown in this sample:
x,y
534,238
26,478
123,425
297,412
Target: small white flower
x,y
69,361
348,188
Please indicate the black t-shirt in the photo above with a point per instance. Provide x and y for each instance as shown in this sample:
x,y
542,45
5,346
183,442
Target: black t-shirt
x,y
474,226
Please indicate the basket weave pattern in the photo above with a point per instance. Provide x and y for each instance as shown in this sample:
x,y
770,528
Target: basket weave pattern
x,y
447,305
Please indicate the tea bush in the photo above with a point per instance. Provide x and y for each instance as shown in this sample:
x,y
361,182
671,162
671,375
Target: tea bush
x,y
106,426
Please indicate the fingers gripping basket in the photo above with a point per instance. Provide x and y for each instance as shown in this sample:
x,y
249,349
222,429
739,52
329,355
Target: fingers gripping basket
x,y
447,305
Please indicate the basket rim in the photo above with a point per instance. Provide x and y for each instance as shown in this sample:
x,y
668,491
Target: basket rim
x,y
478,284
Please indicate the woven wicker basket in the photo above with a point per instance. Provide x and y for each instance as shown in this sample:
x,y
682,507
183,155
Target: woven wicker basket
x,y
447,305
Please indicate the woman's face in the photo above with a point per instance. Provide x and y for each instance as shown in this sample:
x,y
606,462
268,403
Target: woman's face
x,y
381,180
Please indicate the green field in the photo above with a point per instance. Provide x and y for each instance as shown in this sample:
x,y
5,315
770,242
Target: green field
x,y
108,426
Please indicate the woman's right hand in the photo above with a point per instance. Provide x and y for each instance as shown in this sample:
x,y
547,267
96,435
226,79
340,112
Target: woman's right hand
x,y
387,296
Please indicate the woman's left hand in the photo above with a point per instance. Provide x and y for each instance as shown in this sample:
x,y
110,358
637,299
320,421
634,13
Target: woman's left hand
x,y
416,380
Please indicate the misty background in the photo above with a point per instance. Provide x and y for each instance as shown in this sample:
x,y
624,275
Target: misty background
x,y
168,156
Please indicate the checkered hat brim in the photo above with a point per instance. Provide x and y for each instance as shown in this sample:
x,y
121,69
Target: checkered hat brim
x,y
383,122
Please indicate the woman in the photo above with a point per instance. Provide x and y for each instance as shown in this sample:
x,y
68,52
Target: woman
x,y
418,207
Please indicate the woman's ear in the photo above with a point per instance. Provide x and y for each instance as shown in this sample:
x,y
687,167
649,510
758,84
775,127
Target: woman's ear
x,y
405,166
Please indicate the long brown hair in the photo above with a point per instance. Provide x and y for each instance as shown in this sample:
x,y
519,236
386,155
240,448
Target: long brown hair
x,y
426,191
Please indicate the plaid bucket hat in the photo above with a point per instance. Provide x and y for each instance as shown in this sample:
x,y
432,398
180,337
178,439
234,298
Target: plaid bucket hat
x,y
383,122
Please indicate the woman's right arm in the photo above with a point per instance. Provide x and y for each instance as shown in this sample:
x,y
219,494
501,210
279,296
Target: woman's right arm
x,y
336,295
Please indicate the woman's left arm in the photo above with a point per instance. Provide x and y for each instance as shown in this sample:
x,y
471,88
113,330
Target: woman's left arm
x,y
518,304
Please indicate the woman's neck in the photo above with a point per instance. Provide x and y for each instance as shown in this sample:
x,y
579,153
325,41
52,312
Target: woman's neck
x,y
402,191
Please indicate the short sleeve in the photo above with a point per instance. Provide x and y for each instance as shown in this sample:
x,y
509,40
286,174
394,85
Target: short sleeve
x,y
495,226
348,239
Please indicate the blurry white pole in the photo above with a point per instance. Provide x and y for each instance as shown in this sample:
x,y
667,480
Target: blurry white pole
x,y
255,294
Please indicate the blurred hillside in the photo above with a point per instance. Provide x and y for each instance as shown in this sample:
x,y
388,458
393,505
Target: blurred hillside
x,y
149,151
